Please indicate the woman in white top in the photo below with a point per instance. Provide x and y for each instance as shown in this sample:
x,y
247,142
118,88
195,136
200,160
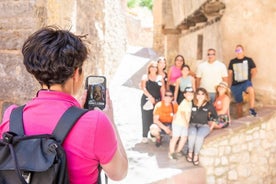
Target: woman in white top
x,y
153,88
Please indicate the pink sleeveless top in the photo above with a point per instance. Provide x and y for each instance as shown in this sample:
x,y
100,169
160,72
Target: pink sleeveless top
x,y
175,74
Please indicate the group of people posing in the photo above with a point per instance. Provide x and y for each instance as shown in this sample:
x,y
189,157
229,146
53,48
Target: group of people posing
x,y
189,105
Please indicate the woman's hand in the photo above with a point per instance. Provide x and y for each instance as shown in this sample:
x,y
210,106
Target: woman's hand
x,y
152,100
108,110
168,131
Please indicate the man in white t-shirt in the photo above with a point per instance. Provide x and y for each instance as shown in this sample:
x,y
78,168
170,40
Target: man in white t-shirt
x,y
210,73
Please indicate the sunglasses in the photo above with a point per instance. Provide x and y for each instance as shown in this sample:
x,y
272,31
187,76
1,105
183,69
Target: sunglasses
x,y
238,50
200,94
210,54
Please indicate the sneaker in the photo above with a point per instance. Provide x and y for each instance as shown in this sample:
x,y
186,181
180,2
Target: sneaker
x,y
172,156
179,154
252,112
144,140
158,142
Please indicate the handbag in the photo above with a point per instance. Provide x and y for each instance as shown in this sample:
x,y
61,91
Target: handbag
x,y
148,105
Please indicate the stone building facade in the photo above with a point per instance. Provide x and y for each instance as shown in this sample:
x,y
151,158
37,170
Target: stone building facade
x,y
190,27
102,21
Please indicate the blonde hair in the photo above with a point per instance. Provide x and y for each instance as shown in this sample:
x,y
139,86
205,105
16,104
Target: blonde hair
x,y
224,85
151,63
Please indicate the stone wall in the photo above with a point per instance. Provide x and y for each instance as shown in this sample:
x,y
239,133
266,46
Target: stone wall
x,y
243,153
102,21
139,23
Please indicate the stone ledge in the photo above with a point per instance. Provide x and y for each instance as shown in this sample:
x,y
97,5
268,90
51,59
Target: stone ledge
x,y
243,152
264,114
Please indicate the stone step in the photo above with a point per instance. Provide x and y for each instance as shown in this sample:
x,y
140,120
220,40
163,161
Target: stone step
x,y
195,175
153,166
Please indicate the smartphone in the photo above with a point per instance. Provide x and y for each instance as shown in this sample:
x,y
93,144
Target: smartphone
x,y
96,92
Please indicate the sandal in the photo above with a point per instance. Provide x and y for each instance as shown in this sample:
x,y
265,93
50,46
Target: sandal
x,y
189,157
196,161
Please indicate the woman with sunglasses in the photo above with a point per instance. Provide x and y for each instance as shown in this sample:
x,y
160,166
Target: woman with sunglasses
x,y
202,113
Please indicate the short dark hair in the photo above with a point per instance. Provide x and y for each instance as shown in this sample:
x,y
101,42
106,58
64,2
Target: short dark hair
x,y
211,49
52,55
239,45
185,66
168,91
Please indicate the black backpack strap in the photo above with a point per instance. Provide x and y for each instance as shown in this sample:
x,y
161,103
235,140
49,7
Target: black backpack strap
x,y
16,120
66,122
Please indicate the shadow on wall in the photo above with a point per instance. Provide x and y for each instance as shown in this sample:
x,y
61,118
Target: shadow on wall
x,y
135,79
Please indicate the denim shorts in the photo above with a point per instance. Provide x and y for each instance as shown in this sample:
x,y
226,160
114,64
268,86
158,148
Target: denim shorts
x,y
238,89
179,130
162,132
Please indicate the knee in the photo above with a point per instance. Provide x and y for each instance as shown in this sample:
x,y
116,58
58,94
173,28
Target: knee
x,y
154,131
250,90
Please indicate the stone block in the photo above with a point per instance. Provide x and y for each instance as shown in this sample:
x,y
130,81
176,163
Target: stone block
x,y
16,8
220,171
13,39
243,170
232,175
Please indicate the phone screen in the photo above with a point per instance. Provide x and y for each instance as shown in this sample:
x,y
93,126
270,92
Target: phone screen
x,y
96,92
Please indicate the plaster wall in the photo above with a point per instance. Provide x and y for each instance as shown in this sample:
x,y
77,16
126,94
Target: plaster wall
x,y
188,45
250,23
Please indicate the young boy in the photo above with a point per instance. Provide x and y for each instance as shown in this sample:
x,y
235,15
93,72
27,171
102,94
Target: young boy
x,y
181,123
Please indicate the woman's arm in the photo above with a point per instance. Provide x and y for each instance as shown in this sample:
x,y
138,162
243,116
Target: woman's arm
x,y
193,83
117,168
176,89
162,89
145,91
169,78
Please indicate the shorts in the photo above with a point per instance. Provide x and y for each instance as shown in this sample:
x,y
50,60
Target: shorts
x,y
162,132
223,120
179,130
238,89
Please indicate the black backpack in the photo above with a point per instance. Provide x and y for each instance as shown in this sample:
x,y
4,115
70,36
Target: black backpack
x,y
35,159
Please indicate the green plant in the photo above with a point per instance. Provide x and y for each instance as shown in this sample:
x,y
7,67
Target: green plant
x,y
142,3
131,3
146,3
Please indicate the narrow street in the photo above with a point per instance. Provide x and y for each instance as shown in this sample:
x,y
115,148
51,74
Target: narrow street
x,y
147,164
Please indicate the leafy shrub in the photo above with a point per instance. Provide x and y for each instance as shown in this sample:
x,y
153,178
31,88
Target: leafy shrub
x,y
142,3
